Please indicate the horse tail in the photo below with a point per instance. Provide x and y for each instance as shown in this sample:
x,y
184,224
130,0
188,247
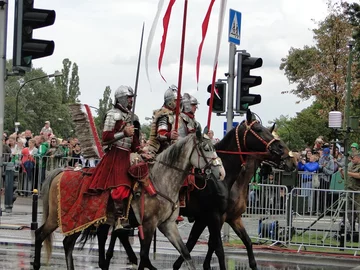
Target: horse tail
x,y
45,196
88,233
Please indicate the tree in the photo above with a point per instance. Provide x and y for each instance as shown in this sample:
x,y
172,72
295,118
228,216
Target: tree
x,y
105,104
38,101
302,130
145,129
69,84
320,71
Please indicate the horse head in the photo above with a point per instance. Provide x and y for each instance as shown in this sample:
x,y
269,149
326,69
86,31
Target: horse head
x,y
251,136
204,157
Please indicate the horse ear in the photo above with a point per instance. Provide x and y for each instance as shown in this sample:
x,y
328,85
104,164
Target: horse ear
x,y
272,128
248,116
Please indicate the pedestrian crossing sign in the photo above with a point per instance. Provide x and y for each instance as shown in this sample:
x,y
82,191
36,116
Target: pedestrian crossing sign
x,y
234,26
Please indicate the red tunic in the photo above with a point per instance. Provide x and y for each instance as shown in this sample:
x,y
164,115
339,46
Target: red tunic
x,y
112,171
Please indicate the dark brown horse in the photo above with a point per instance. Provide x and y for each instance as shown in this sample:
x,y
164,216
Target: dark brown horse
x,y
240,169
207,207
160,211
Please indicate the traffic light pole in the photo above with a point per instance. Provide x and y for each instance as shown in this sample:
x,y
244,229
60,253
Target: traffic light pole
x,y
230,110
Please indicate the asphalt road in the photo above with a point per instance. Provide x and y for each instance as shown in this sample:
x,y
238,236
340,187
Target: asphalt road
x,y
16,250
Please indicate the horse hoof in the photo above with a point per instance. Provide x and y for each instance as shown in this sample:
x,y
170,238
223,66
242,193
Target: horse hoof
x,y
133,261
35,266
177,264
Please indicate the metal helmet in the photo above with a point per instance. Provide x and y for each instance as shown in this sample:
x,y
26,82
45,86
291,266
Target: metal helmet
x,y
170,97
122,94
187,101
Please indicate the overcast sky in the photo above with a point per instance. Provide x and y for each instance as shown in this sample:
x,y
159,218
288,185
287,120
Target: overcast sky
x,y
103,38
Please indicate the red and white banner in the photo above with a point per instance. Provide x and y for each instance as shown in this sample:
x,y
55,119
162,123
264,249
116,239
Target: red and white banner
x,y
218,42
204,29
166,20
151,38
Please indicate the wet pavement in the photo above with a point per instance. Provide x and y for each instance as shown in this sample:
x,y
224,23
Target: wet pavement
x,y
16,256
16,250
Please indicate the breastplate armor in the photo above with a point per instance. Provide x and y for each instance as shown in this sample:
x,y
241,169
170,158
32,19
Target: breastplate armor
x,y
113,117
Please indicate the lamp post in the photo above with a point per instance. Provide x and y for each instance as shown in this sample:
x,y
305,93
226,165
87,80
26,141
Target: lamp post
x,y
55,74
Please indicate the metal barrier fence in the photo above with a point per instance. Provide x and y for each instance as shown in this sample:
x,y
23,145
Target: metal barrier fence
x,y
266,217
25,175
331,223
303,216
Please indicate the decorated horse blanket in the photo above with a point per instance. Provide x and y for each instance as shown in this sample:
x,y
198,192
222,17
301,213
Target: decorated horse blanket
x,y
77,209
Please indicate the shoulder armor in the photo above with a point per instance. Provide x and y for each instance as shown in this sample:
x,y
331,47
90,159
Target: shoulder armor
x,y
115,113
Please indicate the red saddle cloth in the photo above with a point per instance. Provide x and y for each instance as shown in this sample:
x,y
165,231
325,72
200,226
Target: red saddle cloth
x,y
77,209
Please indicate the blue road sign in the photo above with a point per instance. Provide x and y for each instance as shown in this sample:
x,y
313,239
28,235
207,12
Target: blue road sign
x,y
234,26
225,126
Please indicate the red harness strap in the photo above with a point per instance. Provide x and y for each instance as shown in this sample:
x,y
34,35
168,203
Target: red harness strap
x,y
241,153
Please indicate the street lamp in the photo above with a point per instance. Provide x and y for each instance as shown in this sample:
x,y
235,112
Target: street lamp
x,y
55,74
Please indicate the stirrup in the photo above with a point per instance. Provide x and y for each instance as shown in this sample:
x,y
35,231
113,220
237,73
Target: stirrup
x,y
121,223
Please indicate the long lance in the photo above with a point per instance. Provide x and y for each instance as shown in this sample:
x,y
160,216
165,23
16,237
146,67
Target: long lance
x,y
181,66
137,74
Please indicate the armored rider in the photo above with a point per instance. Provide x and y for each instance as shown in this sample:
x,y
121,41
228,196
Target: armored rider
x,y
162,132
120,138
188,123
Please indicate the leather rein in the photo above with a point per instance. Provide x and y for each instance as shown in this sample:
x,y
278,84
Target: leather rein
x,y
242,153
205,170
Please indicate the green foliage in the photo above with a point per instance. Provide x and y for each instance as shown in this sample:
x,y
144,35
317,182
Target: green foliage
x,y
302,130
320,71
69,84
38,101
105,104
145,129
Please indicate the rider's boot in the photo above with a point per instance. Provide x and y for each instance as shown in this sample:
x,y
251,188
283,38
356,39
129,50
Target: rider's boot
x,y
122,220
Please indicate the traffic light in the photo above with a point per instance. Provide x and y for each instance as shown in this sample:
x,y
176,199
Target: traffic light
x,y
219,101
244,81
26,48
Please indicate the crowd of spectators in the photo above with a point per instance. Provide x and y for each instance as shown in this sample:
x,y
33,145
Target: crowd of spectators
x,y
316,167
36,153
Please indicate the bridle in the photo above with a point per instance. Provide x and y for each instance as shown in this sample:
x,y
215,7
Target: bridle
x,y
205,172
209,162
248,128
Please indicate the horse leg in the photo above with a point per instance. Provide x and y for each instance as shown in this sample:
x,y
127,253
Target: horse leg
x,y
145,248
38,242
239,229
195,233
170,230
69,244
215,244
42,234
110,251
101,234
124,239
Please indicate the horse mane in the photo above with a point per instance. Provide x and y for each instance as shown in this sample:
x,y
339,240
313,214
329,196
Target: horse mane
x,y
174,151
224,142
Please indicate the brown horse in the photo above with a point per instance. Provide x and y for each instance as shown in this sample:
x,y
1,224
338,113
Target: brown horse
x,y
167,174
240,169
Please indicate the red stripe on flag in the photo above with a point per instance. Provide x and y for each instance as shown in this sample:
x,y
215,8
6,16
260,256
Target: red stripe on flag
x,y
166,20
93,131
205,25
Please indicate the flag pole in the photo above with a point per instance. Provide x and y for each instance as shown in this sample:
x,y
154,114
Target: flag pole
x,y
181,65
137,74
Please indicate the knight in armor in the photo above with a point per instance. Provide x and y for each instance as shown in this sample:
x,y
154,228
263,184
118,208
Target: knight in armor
x,y
120,138
188,123
162,132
